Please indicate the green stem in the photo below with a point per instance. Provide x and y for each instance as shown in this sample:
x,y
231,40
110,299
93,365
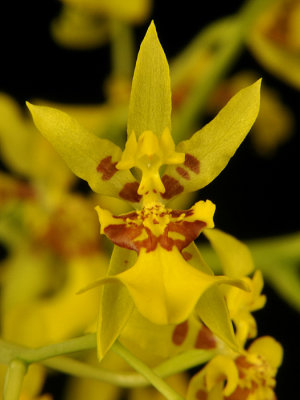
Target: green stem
x,y
178,363
172,366
86,342
147,372
122,50
14,379
232,44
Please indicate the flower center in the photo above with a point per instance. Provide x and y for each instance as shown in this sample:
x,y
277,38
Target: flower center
x,y
148,154
256,376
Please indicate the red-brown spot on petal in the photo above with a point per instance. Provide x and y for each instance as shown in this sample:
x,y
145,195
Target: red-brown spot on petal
x,y
201,395
242,362
129,192
186,255
180,333
183,172
192,163
24,191
239,394
133,215
205,339
15,190
107,168
172,187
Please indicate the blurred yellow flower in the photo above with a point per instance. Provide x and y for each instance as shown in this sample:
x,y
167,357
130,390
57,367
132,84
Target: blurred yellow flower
x,y
275,42
247,376
275,122
87,23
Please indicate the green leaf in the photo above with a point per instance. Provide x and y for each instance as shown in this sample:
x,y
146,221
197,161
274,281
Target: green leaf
x,y
150,99
234,255
116,304
209,150
89,157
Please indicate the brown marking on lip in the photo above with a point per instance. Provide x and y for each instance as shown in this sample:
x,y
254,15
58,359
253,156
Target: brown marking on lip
x,y
132,216
129,192
126,233
242,363
180,333
123,235
178,213
172,187
189,230
205,339
183,172
107,168
192,163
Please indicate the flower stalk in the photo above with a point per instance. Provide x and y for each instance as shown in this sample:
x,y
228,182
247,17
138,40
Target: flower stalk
x,y
13,380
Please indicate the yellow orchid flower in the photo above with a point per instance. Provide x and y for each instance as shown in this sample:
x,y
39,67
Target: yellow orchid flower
x,y
86,23
241,304
246,376
43,273
274,40
154,258
21,143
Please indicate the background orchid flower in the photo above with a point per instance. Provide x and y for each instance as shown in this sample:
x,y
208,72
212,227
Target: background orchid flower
x,y
87,24
248,376
273,113
274,40
159,235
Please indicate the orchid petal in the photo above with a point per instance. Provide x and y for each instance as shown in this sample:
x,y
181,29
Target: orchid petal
x,y
116,305
234,255
269,348
212,310
150,100
161,279
88,156
209,150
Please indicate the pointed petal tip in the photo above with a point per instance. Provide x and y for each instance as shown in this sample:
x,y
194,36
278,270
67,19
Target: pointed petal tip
x,y
152,28
29,106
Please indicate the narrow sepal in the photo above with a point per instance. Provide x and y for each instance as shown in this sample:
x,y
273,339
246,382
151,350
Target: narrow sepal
x,y
209,150
150,99
116,304
212,310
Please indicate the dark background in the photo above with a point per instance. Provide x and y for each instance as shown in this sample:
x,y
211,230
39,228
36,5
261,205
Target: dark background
x,y
255,197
